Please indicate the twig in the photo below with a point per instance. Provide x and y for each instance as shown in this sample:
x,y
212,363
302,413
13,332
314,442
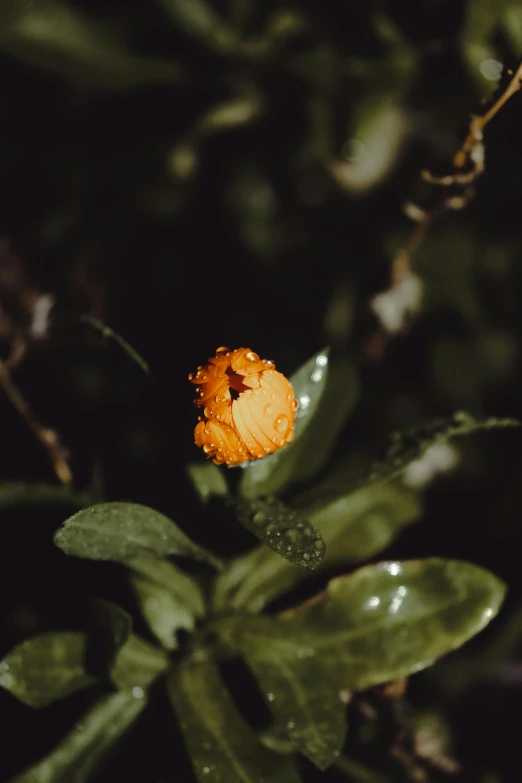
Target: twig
x,y
48,437
107,332
467,165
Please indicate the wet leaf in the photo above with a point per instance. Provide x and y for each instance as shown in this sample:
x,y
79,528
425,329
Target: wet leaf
x,y
354,527
82,750
283,530
208,480
137,665
53,35
124,531
168,598
379,624
306,707
407,447
222,746
46,668
110,627
270,474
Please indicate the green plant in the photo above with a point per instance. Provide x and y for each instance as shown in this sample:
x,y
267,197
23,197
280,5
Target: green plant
x,y
364,628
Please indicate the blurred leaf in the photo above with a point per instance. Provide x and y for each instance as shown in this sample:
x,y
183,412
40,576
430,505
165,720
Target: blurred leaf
x,y
355,526
124,531
199,19
379,624
168,598
137,665
46,668
81,752
14,494
306,706
222,747
53,35
482,22
110,627
270,474
207,479
283,530
376,140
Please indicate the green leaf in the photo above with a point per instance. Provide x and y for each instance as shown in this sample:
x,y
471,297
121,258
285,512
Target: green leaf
x,y
207,479
270,474
407,446
283,530
20,494
305,704
110,627
82,750
379,624
354,527
137,665
124,531
223,748
54,35
168,598
46,668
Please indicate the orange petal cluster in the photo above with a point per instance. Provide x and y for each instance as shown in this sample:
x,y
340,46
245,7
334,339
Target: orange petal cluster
x,y
248,407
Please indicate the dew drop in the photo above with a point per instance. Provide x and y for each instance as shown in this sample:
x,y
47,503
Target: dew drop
x,y
292,535
206,448
222,349
306,556
191,376
259,519
206,431
218,399
319,544
295,404
281,423
208,412
322,360
251,356
317,376
267,410
138,692
270,696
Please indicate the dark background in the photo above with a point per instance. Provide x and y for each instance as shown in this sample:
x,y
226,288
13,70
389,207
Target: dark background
x,y
126,194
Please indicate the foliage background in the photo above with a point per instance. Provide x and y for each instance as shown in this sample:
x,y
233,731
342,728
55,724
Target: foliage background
x,y
183,236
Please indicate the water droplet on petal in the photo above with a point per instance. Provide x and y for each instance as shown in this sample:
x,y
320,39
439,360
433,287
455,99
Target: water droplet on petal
x,y
270,696
251,356
267,410
295,404
317,376
222,349
281,424
191,376
218,399
138,692
322,360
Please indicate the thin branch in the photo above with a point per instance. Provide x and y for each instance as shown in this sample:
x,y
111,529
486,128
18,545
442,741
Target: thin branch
x,y
467,165
107,332
48,437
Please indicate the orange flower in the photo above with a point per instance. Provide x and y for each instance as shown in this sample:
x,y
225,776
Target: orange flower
x,y
248,407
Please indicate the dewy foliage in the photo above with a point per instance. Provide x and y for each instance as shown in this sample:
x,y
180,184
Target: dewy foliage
x,y
377,624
